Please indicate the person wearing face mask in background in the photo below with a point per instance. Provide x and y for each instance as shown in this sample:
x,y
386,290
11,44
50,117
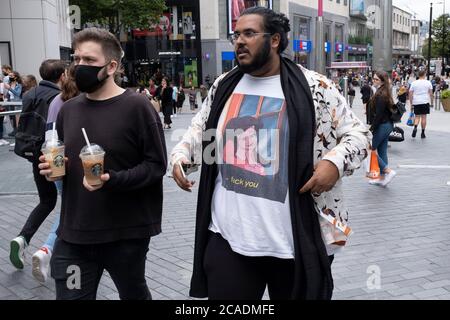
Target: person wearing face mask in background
x,y
107,226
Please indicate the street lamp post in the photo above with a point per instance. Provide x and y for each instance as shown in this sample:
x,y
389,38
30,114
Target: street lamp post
x,y
320,61
429,40
444,37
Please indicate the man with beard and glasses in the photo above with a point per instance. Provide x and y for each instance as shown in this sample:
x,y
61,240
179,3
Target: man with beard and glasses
x,y
107,226
269,227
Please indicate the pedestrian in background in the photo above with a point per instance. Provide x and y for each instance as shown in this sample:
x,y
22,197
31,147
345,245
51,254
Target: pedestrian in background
x,y
41,258
52,73
29,81
420,98
380,107
166,97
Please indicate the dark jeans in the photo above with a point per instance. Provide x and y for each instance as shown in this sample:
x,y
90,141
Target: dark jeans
x,y
47,202
232,276
380,143
124,260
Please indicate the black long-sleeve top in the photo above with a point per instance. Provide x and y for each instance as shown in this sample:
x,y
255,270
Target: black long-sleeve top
x,y
129,205
379,112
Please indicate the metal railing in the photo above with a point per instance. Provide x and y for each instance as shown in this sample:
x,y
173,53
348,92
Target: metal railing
x,y
10,104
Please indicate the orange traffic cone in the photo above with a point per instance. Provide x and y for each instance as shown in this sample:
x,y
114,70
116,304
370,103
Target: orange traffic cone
x,y
374,171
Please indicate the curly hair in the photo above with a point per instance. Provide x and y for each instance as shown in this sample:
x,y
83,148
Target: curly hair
x,y
273,23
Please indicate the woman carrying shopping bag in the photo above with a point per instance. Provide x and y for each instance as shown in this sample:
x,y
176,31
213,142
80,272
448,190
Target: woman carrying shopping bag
x,y
380,108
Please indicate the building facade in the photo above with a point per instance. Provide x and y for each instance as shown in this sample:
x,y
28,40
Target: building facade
x,y
218,18
360,39
32,31
303,16
401,35
217,24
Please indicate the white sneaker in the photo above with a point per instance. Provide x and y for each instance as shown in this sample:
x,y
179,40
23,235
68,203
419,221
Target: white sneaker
x,y
17,252
41,264
12,144
3,142
375,182
388,178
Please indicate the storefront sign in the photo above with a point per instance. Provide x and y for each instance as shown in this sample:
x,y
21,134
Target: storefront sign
x,y
327,47
302,46
339,47
236,7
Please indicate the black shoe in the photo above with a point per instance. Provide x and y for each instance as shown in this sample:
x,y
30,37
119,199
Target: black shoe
x,y
12,134
423,135
414,133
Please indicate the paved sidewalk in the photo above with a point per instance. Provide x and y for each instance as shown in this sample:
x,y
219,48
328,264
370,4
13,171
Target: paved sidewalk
x,y
401,232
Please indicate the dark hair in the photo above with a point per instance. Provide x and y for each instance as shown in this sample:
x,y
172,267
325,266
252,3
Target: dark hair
x,y
422,73
384,91
69,87
52,69
6,67
273,23
110,45
17,77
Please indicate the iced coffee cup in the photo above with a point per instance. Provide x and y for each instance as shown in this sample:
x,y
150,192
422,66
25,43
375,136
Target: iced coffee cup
x,y
53,151
92,158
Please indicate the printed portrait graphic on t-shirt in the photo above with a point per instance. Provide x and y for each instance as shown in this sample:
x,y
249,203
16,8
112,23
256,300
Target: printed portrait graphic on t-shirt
x,y
255,147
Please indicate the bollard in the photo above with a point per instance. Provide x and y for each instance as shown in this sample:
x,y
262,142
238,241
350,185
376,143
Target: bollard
x,y
345,88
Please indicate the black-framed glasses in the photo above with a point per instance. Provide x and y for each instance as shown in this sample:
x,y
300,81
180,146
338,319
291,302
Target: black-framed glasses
x,y
246,35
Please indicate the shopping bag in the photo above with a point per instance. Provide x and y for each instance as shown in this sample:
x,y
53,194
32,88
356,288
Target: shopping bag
x,y
410,121
156,105
374,171
397,135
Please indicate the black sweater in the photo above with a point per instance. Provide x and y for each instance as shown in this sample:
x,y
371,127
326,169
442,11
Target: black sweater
x,y
129,205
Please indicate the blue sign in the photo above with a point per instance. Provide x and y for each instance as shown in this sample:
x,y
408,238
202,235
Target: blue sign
x,y
339,47
327,47
302,46
228,55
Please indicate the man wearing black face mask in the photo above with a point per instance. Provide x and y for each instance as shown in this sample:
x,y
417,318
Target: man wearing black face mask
x,y
108,226
284,137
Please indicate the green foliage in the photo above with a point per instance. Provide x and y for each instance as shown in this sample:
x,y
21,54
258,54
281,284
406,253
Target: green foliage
x,y
434,49
359,40
118,14
445,94
441,34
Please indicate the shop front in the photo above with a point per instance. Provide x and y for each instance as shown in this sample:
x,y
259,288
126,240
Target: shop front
x,y
169,48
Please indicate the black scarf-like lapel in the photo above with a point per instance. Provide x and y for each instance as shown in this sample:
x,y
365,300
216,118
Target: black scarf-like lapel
x,y
312,271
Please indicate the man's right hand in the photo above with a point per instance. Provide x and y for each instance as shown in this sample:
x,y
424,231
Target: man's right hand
x,y
180,179
44,169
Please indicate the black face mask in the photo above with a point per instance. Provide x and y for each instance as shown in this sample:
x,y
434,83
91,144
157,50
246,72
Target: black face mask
x,y
87,78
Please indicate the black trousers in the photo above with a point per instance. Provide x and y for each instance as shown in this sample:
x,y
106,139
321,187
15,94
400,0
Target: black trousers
x,y
77,269
48,196
232,276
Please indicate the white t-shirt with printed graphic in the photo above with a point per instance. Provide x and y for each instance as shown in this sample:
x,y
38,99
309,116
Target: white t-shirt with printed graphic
x,y
250,205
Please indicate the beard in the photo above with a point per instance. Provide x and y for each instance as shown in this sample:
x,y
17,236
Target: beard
x,y
259,60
